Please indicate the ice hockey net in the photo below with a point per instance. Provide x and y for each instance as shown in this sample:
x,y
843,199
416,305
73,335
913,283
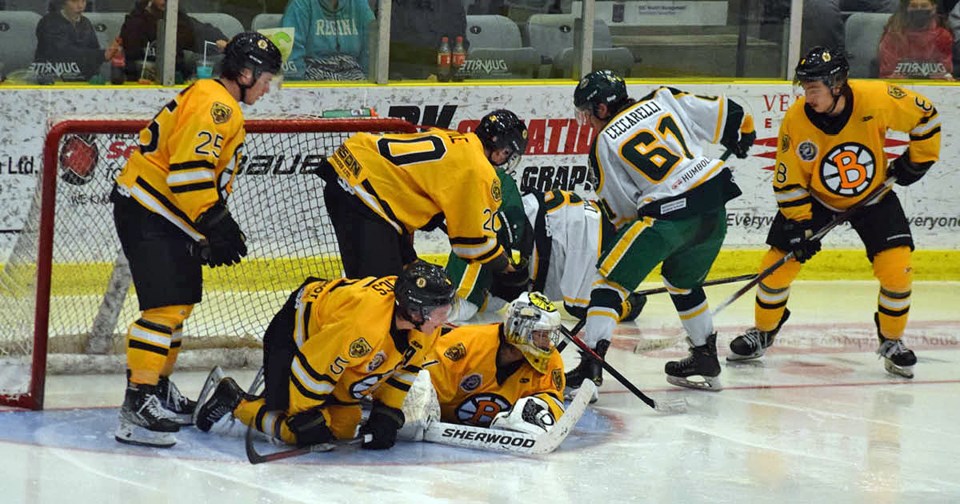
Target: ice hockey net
x,y
65,288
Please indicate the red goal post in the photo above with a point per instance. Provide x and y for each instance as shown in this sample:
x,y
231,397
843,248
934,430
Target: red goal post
x,y
65,286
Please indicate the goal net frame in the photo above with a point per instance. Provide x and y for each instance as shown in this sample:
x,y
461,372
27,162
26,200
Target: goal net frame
x,y
46,200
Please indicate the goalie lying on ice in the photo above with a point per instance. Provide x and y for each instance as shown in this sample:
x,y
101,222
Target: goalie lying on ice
x,y
503,376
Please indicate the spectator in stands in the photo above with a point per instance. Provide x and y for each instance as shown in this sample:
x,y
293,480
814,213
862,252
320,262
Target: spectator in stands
x,y
330,39
822,23
140,29
916,43
954,23
67,46
416,27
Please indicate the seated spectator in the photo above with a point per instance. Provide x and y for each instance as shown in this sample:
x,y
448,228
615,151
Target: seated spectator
x,y
916,43
330,39
416,27
822,23
67,46
139,36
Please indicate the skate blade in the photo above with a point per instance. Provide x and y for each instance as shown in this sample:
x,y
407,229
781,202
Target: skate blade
x,y
185,418
673,406
213,379
902,371
709,384
131,434
735,357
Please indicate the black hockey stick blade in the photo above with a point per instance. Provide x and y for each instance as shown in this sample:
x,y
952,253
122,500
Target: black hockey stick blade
x,y
259,458
669,406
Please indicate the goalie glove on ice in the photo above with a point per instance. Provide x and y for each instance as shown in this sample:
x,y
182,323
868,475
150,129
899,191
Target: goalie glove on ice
x,y
530,415
225,242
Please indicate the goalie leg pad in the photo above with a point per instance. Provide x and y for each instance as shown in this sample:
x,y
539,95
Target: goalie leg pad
x,y
420,407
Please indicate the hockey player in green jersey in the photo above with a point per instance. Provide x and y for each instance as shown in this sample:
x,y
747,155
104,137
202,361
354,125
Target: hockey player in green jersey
x,y
666,200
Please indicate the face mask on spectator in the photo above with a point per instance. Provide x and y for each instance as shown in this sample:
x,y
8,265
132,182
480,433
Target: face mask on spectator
x,y
918,18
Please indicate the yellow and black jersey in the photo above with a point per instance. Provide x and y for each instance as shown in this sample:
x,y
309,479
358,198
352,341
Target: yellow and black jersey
x,y
348,346
180,169
470,386
840,169
416,180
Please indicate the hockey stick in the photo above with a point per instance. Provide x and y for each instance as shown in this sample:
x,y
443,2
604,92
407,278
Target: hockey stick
x,y
521,443
661,290
837,220
258,458
673,406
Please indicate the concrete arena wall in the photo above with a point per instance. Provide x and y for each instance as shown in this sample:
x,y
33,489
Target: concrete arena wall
x,y
556,156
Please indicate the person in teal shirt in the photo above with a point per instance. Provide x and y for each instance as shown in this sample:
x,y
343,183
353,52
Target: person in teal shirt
x,y
330,39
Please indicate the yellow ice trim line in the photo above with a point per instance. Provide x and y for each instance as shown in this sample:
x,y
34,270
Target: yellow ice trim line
x,y
265,274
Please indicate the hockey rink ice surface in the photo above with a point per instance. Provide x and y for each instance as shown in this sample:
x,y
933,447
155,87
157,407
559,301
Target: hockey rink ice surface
x,y
817,420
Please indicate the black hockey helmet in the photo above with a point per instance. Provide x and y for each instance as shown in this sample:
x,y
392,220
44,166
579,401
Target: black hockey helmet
x,y
824,65
420,288
503,129
601,86
250,50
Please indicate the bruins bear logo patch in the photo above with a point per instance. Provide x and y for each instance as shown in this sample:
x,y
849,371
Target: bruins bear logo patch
x,y
221,113
359,348
455,352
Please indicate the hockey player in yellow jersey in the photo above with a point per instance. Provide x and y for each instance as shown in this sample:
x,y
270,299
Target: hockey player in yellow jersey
x,y
503,376
379,189
171,217
334,343
830,157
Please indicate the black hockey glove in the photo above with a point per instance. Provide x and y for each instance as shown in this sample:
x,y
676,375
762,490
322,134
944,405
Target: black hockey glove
x,y
799,237
382,425
310,427
509,285
748,135
225,242
906,171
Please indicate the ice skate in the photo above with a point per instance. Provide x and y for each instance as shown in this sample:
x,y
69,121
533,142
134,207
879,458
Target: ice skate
x,y
171,399
223,401
587,369
143,419
897,358
701,362
754,343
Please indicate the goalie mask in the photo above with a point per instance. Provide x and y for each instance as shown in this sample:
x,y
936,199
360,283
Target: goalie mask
x,y
533,327
502,129
421,288
601,86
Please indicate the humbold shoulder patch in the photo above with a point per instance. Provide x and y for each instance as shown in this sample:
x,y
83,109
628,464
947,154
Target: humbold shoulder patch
x,y
496,191
557,377
359,347
456,352
220,112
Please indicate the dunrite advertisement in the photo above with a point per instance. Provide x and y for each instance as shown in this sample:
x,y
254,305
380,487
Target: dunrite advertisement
x,y
555,158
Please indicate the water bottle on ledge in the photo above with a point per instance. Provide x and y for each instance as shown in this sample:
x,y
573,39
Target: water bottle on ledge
x,y
349,113
457,58
443,60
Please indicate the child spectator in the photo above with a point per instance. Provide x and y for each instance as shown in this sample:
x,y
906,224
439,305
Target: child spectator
x,y
67,46
330,39
916,43
140,29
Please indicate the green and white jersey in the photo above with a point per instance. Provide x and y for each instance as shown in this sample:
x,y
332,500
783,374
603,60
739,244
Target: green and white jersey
x,y
650,155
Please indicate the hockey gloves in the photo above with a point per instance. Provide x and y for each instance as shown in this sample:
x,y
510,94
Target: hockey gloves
x,y
225,242
509,285
310,427
382,426
799,238
906,171
748,135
